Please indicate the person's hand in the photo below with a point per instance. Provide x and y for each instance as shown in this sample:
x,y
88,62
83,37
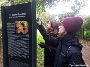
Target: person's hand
x,y
42,45
39,22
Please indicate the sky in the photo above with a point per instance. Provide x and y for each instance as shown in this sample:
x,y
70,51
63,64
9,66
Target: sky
x,y
60,8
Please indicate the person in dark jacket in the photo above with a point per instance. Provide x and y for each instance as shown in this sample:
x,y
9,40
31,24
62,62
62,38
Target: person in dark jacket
x,y
68,53
49,51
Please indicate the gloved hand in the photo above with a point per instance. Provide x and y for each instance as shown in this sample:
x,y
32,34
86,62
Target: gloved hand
x,y
42,45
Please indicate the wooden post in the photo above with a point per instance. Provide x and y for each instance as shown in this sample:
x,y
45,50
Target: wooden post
x,y
82,33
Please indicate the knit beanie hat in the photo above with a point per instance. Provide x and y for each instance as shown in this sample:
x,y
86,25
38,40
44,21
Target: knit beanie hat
x,y
72,24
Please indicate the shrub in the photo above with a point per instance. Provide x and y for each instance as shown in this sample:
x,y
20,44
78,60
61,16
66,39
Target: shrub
x,y
40,51
87,35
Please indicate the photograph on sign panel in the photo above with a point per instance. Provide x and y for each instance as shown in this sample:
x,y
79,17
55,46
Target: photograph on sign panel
x,y
21,27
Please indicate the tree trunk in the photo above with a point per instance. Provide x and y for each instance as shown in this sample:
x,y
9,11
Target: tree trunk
x,y
82,33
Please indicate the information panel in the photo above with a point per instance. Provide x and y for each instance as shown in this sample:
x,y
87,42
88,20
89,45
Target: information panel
x,y
18,32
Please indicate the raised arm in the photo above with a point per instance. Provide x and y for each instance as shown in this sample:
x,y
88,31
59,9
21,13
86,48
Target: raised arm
x,y
46,37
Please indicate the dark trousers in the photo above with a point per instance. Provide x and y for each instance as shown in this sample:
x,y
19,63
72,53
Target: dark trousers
x,y
49,58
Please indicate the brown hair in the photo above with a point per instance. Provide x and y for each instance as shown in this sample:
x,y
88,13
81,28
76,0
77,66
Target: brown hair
x,y
54,26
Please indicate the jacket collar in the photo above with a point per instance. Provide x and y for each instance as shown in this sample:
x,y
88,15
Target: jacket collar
x,y
71,40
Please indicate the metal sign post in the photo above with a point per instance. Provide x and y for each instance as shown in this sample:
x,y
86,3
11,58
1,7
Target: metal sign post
x,y
34,34
19,35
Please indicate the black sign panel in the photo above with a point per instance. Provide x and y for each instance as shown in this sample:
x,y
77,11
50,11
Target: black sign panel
x,y
19,35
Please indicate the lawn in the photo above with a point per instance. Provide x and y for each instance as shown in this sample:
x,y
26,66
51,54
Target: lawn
x,y
40,51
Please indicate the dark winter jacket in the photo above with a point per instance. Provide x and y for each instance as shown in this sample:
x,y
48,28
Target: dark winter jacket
x,y
68,53
47,45
49,51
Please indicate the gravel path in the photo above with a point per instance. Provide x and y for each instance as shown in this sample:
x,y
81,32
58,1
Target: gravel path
x,y
86,51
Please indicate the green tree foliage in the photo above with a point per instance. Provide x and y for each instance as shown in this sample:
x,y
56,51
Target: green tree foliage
x,y
21,1
87,35
68,14
52,17
75,5
86,24
44,17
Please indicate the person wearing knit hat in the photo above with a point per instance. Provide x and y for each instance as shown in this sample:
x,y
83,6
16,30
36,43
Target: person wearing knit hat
x,y
70,25
68,52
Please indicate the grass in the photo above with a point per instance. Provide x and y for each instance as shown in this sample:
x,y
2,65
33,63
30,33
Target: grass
x,y
40,51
